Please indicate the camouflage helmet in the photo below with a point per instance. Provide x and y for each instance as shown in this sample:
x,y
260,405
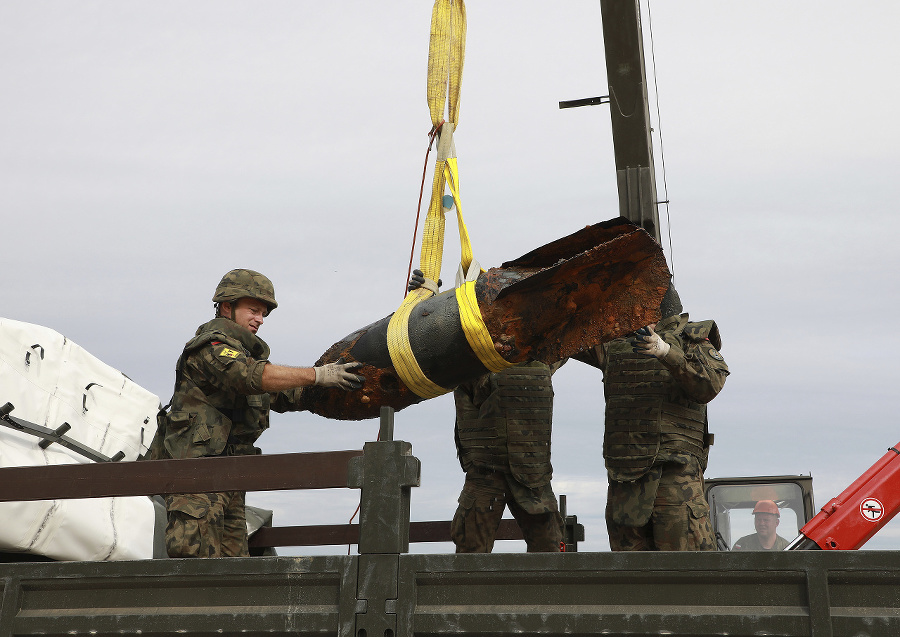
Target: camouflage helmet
x,y
241,283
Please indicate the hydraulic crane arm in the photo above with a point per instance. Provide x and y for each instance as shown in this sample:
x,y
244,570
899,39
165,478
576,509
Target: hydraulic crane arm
x,y
849,520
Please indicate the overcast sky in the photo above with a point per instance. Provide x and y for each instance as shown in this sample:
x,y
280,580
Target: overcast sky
x,y
146,148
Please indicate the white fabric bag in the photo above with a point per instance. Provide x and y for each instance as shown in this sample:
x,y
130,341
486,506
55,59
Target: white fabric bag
x,y
51,380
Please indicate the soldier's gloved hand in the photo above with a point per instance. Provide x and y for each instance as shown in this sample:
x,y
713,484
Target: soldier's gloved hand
x,y
338,375
418,280
649,343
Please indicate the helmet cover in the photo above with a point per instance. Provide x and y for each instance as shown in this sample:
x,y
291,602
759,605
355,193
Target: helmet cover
x,y
671,303
242,283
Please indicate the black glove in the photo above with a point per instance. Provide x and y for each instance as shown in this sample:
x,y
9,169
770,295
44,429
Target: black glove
x,y
417,280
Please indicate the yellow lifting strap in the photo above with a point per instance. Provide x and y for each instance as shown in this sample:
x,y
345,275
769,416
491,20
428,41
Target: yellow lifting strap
x,y
475,330
446,55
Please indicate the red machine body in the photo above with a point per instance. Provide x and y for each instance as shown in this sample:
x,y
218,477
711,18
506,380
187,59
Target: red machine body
x,y
849,520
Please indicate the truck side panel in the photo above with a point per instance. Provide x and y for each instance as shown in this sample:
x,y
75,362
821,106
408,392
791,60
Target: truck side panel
x,y
809,593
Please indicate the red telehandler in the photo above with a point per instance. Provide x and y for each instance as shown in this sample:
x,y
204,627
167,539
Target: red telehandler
x,y
846,522
849,520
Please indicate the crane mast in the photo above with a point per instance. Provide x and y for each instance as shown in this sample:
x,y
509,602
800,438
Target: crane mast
x,y
630,113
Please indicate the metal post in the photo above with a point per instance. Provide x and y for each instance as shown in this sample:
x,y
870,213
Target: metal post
x,y
386,430
630,113
385,473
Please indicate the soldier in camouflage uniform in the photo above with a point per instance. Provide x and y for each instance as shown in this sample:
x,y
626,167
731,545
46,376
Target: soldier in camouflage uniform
x,y
656,443
503,423
224,389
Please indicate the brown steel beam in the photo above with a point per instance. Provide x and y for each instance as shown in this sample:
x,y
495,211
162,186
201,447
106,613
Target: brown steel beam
x,y
320,535
318,470
330,534
440,531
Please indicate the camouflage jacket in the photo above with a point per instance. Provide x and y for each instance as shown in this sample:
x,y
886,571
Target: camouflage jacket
x,y
656,409
504,422
219,406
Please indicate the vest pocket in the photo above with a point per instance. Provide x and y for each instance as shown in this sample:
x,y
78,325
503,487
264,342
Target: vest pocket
x,y
201,435
178,433
179,420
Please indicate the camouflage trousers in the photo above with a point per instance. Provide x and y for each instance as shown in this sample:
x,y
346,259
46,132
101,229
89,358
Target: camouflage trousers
x,y
206,525
663,511
482,502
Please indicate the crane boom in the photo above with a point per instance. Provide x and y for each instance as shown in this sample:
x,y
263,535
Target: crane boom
x,y
849,520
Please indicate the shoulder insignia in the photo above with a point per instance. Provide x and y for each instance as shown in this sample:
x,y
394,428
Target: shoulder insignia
x,y
227,352
714,354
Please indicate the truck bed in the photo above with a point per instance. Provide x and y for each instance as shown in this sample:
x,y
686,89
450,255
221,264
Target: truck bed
x,y
816,593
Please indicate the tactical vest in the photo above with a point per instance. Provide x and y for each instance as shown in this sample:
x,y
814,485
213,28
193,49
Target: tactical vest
x,y
205,420
646,412
512,432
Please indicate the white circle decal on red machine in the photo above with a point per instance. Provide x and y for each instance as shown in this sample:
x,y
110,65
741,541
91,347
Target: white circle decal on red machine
x,y
871,509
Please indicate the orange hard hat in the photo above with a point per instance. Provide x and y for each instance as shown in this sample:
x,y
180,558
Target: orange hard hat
x,y
766,506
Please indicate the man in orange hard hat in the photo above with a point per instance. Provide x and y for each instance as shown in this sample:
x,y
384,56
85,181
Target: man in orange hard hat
x,y
766,517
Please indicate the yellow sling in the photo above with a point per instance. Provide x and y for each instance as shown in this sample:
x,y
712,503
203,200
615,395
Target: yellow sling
x,y
446,55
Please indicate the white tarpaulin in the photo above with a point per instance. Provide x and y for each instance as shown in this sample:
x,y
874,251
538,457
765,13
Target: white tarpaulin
x,y
51,380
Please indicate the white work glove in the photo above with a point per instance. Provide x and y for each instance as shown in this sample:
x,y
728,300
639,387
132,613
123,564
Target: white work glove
x,y
338,375
649,343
